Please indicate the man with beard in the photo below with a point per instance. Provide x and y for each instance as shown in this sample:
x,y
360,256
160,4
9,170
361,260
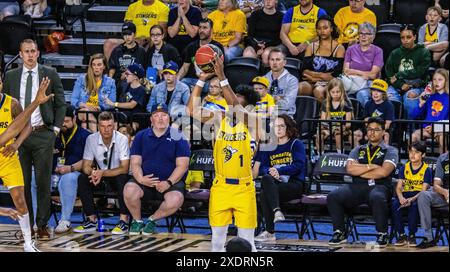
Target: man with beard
x,y
67,160
189,72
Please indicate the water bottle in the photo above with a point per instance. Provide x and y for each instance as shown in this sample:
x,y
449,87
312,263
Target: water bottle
x,y
54,182
101,226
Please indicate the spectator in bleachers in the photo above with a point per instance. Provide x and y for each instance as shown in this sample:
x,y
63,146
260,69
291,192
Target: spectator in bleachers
x,y
229,27
362,64
349,18
189,71
9,8
68,161
323,61
249,6
157,178
380,106
444,11
434,107
91,90
133,98
263,31
335,107
407,70
35,8
124,55
215,100
128,131
283,171
266,104
283,85
436,198
111,153
371,166
414,177
172,92
299,28
160,52
183,24
433,34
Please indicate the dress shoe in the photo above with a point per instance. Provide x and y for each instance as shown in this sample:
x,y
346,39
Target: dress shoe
x,y
42,234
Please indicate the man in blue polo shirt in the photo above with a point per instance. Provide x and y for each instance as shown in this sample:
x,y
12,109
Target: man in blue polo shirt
x,y
159,161
67,164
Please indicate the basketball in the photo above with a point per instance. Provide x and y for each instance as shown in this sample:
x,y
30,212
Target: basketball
x,y
205,55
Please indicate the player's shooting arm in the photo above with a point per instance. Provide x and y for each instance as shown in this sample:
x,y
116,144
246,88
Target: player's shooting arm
x,y
194,105
16,110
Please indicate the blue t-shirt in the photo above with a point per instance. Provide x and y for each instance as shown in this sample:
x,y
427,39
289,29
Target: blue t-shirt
x,y
288,161
136,94
384,110
287,18
74,149
159,154
182,39
435,109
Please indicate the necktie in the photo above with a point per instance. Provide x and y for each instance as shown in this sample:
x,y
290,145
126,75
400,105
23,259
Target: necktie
x,y
28,89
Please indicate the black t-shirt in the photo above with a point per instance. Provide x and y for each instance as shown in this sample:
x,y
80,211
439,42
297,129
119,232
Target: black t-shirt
x,y
169,96
182,39
136,94
122,57
189,56
264,27
384,110
339,112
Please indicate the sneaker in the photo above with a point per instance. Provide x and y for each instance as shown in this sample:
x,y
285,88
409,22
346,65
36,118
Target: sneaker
x,y
278,216
382,239
402,240
63,227
412,240
31,247
88,226
426,244
338,238
120,228
265,236
136,227
149,227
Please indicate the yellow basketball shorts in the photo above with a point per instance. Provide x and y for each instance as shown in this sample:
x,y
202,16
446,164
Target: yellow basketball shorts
x,y
233,197
11,171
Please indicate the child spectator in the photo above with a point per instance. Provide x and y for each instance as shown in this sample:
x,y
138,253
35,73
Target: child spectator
x,y
414,177
433,34
266,104
215,100
435,107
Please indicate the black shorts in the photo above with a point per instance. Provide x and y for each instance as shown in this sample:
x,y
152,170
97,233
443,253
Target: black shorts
x,y
150,193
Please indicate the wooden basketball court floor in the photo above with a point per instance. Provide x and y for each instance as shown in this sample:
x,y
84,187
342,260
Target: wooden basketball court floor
x,y
175,242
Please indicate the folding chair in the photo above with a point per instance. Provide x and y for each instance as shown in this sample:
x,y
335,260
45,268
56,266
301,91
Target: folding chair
x,y
242,71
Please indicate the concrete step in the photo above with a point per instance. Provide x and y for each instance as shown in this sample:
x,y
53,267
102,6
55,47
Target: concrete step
x,y
55,59
98,30
68,79
74,46
111,14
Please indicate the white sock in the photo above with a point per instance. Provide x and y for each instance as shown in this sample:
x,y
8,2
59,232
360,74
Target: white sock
x,y
219,236
249,235
24,223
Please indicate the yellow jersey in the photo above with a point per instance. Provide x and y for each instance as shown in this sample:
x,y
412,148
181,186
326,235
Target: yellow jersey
x,y
414,182
431,37
303,26
145,16
263,106
233,151
212,103
348,23
225,26
6,117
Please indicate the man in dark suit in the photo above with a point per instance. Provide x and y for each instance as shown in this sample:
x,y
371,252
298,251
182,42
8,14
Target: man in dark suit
x,y
22,83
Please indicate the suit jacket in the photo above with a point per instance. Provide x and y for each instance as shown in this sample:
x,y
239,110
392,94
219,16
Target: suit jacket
x,y
54,110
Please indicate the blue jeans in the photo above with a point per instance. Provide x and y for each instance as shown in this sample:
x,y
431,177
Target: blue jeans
x,y
413,217
67,187
408,103
363,96
233,52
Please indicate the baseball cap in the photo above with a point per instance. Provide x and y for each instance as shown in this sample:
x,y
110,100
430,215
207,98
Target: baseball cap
x,y
128,28
170,67
379,85
261,80
159,107
137,70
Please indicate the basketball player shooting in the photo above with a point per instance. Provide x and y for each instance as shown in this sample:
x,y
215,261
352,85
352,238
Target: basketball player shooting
x,y
233,190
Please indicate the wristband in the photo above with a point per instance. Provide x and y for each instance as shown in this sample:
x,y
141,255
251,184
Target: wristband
x,y
200,83
170,182
116,104
224,83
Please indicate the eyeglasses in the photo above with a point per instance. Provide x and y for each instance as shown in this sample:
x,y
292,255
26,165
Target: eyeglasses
x,y
155,35
374,130
365,34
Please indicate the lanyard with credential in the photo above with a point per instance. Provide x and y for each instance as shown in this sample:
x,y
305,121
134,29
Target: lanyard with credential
x,y
63,141
370,158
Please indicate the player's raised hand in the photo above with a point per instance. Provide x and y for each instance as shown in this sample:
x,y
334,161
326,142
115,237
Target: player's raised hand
x,y
41,97
218,67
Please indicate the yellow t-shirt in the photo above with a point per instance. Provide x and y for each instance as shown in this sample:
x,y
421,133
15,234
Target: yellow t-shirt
x,y
211,103
263,105
303,26
224,27
431,37
348,23
93,99
144,17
